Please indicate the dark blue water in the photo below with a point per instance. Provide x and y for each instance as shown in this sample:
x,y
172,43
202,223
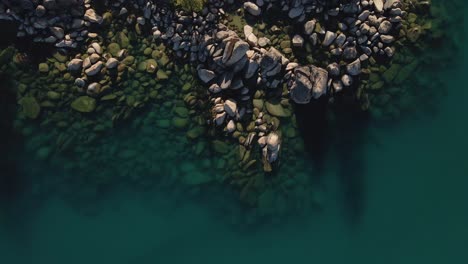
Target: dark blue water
x,y
407,202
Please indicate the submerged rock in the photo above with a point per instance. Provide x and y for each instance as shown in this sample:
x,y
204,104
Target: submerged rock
x,y
31,107
84,104
309,82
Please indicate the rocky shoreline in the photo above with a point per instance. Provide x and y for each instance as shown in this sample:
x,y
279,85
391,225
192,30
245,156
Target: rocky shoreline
x,y
221,79
234,69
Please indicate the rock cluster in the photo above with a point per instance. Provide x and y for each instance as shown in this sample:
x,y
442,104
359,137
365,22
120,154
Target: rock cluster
x,y
60,22
98,69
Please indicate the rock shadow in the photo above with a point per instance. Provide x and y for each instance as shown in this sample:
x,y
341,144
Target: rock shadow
x,y
13,183
344,136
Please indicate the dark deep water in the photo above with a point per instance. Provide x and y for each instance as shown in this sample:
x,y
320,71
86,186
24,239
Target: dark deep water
x,y
392,194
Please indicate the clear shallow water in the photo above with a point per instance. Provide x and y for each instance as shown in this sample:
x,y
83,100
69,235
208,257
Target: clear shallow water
x,y
413,208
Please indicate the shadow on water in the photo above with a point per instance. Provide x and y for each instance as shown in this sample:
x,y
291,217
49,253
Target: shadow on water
x,y
344,136
13,183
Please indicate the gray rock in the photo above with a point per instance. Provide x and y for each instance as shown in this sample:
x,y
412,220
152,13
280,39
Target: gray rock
x,y
112,63
252,9
347,80
206,75
309,82
296,12
252,40
387,39
93,89
364,15
298,41
58,32
231,126
385,27
239,50
252,68
230,106
94,69
337,85
96,47
226,80
75,65
40,10
309,27
333,69
329,38
379,5
354,68
263,42
350,53
247,30
91,16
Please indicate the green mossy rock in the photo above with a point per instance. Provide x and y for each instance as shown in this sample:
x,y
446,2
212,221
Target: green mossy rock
x,y
123,40
113,49
129,60
141,66
84,104
181,111
391,73
151,65
180,122
220,147
43,68
195,132
258,103
162,75
53,95
276,109
6,55
31,107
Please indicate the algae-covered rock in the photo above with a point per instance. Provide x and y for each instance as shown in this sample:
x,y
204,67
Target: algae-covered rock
x,y
180,122
162,75
123,40
220,147
113,49
181,111
151,65
31,107
276,109
6,55
195,132
43,68
84,104
53,95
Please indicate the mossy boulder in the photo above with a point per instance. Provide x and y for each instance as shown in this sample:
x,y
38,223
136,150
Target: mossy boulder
x,y
276,109
180,122
113,49
151,65
6,55
195,132
31,107
84,104
162,75
43,68
190,5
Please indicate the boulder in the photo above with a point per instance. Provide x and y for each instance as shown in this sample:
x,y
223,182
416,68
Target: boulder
x,y
84,104
252,8
206,75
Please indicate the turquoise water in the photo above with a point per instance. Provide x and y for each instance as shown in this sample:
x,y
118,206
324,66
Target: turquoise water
x,y
397,196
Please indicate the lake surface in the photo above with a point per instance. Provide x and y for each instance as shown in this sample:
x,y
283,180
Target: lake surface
x,y
408,204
